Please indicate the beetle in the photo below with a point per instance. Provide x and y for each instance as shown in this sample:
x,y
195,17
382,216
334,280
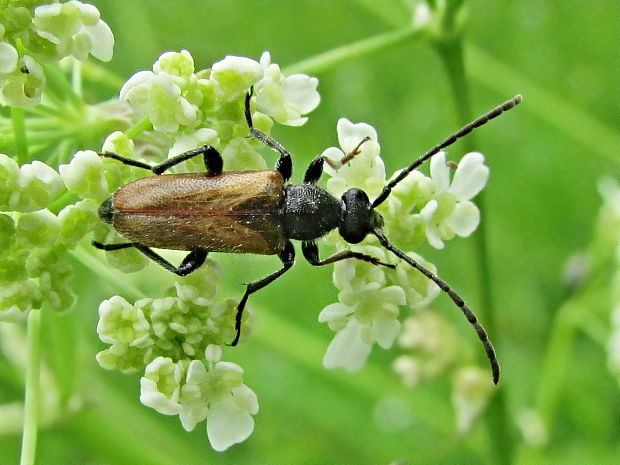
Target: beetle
x,y
257,212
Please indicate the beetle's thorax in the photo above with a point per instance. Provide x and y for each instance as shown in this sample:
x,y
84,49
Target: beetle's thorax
x,y
309,212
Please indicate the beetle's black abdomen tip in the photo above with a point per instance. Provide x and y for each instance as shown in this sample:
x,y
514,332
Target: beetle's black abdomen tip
x,y
106,211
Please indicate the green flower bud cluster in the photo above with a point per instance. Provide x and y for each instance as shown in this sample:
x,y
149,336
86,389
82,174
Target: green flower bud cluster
x,y
34,31
177,342
34,241
420,207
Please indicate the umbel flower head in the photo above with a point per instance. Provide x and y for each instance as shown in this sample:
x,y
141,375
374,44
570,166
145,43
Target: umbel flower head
x,y
420,207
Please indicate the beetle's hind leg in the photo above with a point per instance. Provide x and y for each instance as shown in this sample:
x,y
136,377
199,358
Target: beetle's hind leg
x,y
212,160
284,164
190,263
311,253
288,258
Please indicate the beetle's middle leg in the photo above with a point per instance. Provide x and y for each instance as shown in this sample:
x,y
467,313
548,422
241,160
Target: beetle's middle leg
x,y
315,168
311,253
284,164
190,263
212,159
288,258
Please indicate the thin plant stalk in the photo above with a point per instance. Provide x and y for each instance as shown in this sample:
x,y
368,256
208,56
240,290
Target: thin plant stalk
x,y
19,131
32,395
451,52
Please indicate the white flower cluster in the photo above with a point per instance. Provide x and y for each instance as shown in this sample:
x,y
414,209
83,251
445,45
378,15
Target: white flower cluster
x,y
31,31
177,342
207,107
420,207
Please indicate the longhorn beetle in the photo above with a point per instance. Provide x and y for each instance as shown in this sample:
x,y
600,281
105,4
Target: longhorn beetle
x,y
257,212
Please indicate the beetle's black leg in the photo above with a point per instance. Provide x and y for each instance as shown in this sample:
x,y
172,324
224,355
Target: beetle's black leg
x,y
111,247
125,160
212,159
288,258
284,164
311,253
315,168
190,263
314,171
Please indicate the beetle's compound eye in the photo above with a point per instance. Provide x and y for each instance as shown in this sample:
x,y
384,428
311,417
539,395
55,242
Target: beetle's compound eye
x,y
355,217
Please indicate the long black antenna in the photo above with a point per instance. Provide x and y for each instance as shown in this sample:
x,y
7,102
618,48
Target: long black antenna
x,y
471,317
449,141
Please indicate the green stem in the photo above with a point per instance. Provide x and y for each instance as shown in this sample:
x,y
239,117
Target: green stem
x,y
139,127
60,82
19,130
32,397
336,56
451,52
76,77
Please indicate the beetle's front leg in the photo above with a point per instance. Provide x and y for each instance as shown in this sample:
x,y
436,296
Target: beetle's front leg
x,y
284,164
315,168
288,258
212,160
190,263
311,253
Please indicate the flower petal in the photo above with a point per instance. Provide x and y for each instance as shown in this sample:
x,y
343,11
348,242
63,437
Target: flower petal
x,y
432,234
8,58
465,218
350,134
347,350
227,425
429,210
440,173
470,177
300,89
386,330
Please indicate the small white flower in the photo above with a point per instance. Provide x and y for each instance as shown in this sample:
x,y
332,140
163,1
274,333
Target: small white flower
x,y
420,290
161,385
219,396
24,85
450,211
121,322
85,176
366,314
366,171
233,76
285,98
38,184
158,96
76,29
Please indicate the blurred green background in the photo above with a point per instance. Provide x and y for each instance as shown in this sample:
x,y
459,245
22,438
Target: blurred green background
x,y
541,206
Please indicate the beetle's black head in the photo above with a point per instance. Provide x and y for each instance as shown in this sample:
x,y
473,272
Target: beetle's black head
x,y
358,218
